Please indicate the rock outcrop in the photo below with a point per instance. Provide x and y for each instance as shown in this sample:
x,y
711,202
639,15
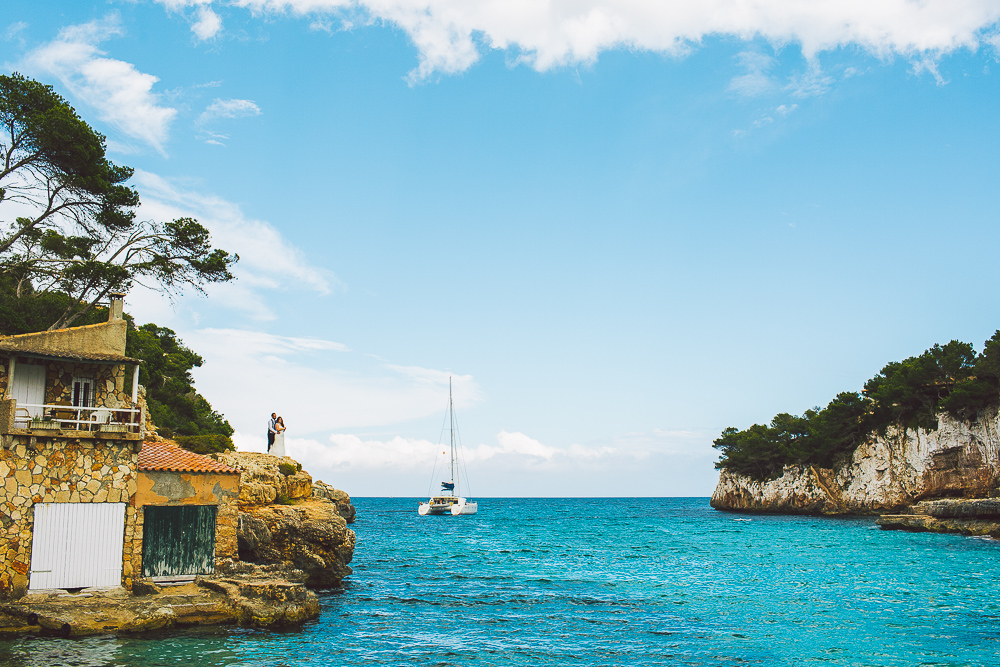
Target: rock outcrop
x,y
338,498
286,520
885,474
979,516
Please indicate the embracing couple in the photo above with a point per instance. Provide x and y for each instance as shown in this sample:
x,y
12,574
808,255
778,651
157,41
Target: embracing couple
x,y
276,435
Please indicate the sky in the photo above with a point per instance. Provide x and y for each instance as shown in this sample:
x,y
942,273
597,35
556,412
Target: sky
x,y
618,227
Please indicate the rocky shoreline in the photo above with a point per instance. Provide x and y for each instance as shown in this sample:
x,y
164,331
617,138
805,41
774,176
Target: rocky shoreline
x,y
885,475
976,517
944,481
241,594
292,535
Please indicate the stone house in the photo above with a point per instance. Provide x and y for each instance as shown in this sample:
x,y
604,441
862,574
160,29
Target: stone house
x,y
187,512
71,430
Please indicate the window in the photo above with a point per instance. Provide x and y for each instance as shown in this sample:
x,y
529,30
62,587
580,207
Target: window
x,y
83,392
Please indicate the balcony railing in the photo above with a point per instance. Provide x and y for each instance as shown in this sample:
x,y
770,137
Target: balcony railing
x,y
72,417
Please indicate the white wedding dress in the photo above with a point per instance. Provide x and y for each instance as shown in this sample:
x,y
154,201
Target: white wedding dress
x,y
278,448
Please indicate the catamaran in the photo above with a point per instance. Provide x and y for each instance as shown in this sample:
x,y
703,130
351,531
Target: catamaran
x,y
448,501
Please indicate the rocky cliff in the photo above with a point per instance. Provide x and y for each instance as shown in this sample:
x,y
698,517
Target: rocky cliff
x,y
286,520
885,474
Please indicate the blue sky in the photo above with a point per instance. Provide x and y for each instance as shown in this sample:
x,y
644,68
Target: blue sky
x,y
622,227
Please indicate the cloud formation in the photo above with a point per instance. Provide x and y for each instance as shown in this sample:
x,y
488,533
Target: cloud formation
x,y
208,24
121,94
514,450
232,108
267,260
318,385
756,81
451,34
659,462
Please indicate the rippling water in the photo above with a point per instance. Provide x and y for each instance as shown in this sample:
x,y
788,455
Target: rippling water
x,y
613,582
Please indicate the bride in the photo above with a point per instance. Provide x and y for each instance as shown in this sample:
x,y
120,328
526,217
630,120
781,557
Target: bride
x,y
278,448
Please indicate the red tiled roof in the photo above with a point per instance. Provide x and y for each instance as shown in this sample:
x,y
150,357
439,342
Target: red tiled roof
x,y
168,456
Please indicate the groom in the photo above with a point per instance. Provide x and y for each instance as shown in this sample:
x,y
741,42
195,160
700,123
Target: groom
x,y
272,428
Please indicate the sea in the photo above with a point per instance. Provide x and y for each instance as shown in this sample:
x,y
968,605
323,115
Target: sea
x,y
610,581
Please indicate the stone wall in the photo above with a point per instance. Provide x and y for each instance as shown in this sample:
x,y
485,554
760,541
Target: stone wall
x,y
91,339
60,470
112,383
163,487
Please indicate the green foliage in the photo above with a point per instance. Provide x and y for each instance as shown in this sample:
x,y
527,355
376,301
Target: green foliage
x,y
35,312
910,393
282,499
173,403
205,444
55,163
78,234
287,469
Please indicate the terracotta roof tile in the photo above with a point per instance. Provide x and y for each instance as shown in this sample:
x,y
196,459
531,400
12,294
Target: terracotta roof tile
x,y
166,455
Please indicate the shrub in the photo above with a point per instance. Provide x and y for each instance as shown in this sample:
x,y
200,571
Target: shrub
x,y
206,444
287,469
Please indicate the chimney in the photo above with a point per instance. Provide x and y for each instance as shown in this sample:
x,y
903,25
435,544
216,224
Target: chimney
x,y
115,308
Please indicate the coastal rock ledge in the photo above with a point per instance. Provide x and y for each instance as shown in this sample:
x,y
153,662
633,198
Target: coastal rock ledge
x,y
292,536
885,475
287,520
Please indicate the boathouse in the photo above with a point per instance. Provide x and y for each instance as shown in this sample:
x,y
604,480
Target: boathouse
x,y
71,429
187,512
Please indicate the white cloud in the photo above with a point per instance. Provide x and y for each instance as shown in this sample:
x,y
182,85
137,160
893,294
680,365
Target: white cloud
x,y
318,385
654,463
812,82
205,24
756,81
786,109
267,260
354,451
929,65
451,34
121,94
231,108
14,31
208,24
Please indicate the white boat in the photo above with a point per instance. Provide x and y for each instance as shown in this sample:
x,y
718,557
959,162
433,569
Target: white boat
x,y
449,501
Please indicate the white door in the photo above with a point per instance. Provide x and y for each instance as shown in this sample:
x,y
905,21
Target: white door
x,y
29,387
77,545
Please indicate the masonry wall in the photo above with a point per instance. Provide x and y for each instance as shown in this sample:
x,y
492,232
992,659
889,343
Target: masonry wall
x,y
64,470
112,383
156,487
4,367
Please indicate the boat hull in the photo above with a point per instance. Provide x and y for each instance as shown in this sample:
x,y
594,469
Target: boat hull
x,y
464,508
443,506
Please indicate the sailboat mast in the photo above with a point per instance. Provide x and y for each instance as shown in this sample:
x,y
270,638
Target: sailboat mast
x,y
451,419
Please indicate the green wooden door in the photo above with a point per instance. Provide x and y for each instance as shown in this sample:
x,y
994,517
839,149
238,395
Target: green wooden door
x,y
178,540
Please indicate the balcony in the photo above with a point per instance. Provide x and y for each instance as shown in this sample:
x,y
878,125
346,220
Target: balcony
x,y
47,420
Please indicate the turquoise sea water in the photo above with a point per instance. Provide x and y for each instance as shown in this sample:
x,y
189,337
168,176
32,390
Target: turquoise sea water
x,y
612,582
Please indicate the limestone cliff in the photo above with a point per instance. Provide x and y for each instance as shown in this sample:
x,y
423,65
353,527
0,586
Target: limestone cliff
x,y
284,520
885,474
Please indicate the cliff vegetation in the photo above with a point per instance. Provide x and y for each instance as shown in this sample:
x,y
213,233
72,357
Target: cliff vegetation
x,y
949,379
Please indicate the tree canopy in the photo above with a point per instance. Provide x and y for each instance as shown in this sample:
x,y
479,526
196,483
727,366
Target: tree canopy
x,y
912,393
74,229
